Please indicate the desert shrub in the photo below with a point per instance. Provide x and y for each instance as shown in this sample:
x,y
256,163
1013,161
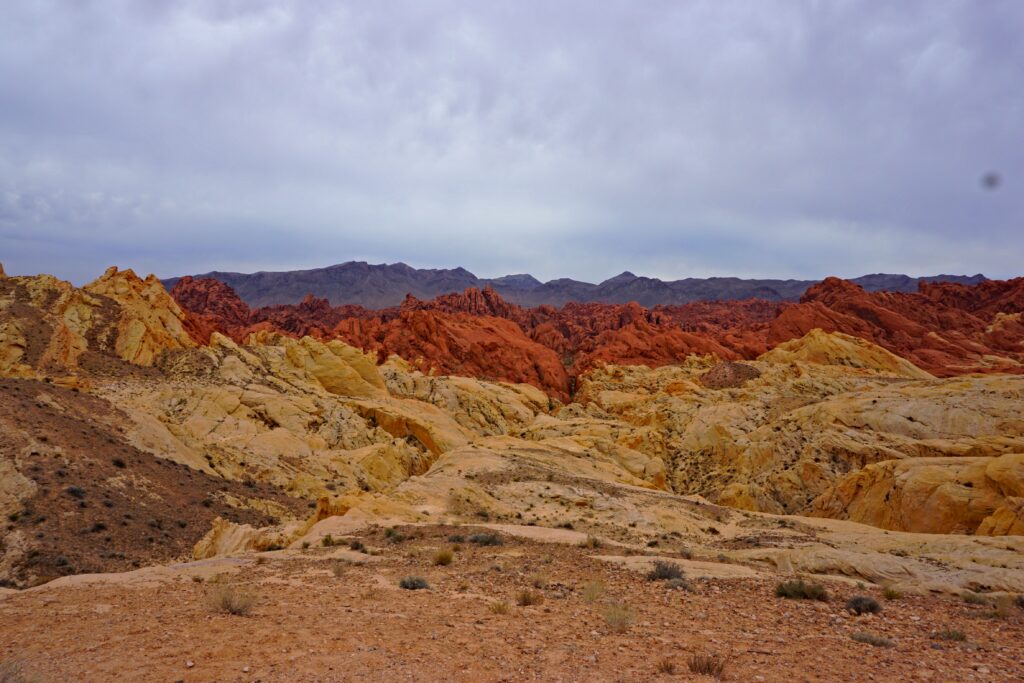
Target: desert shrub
x,y
327,541
801,590
957,636
665,666
707,665
861,604
230,600
357,545
975,599
592,591
591,542
75,492
498,607
486,539
413,583
619,617
873,640
443,558
679,585
457,538
119,463
526,598
539,581
891,593
664,571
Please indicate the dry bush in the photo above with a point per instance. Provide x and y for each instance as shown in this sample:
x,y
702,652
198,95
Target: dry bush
x,y
485,539
664,571
619,617
872,639
539,581
975,599
707,665
498,607
526,598
230,600
591,542
800,590
592,591
861,604
665,666
443,558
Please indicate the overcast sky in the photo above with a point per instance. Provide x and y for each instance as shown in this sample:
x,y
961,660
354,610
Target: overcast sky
x,y
579,139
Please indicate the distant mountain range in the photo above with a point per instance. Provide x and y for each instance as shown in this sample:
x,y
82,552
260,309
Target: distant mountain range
x,y
384,285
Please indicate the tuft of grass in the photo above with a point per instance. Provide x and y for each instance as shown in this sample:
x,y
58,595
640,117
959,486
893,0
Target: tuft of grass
x,y
872,639
953,635
327,541
707,665
357,545
665,666
619,617
413,583
679,585
539,581
862,604
975,599
443,558
500,607
592,591
891,593
801,590
486,539
591,542
528,598
664,571
230,600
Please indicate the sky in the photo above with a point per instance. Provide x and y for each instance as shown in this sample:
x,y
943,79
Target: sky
x,y
561,138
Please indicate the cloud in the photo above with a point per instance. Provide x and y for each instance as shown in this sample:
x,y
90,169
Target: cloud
x,y
565,139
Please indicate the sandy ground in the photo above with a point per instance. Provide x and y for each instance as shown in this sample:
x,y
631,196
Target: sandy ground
x,y
332,614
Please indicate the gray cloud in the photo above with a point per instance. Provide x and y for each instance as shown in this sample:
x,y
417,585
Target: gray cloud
x,y
570,138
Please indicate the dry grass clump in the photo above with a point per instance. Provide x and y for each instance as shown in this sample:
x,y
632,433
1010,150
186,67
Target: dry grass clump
x,y
619,617
953,635
801,590
861,604
664,571
665,666
413,583
591,542
539,581
873,640
891,593
975,599
527,598
230,600
500,607
707,665
592,591
443,558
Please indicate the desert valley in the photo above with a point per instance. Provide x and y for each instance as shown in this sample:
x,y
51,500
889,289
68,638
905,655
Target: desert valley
x,y
830,488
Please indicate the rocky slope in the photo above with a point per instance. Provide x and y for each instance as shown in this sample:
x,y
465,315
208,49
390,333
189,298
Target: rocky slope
x,y
385,285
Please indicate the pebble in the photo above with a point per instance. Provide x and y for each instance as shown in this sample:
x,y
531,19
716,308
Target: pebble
x,y
189,664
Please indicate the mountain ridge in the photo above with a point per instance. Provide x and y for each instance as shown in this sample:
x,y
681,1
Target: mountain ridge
x,y
383,285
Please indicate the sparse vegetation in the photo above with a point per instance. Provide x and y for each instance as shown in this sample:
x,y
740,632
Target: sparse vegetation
x,y
591,542
679,585
891,593
665,666
664,571
119,463
413,583
457,538
619,617
592,591
862,604
75,492
872,639
327,541
526,598
486,539
953,635
230,600
357,545
975,599
801,590
500,607
443,558
539,581
707,665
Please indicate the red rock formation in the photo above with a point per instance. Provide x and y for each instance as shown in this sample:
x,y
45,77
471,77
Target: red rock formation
x,y
946,329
